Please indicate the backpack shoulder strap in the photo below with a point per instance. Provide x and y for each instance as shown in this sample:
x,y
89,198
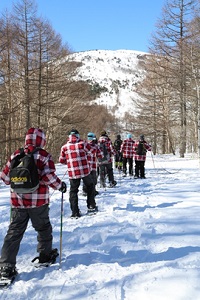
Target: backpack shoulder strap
x,y
22,153
17,158
35,150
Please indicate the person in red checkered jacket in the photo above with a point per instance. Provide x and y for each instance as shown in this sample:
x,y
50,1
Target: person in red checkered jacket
x,y
127,153
140,148
33,206
105,164
75,155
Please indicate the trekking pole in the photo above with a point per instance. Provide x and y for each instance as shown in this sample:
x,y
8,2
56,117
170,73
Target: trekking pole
x,y
10,213
55,190
61,225
119,176
152,159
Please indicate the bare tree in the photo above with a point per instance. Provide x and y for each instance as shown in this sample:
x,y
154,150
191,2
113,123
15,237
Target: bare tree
x,y
169,42
8,87
193,62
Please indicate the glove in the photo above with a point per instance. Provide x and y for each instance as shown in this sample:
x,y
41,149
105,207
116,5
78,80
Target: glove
x,y
63,188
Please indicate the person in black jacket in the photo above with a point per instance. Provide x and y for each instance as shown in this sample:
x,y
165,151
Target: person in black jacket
x,y
118,155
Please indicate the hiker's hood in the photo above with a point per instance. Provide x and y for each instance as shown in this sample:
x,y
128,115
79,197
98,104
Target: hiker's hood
x,y
103,139
73,138
35,137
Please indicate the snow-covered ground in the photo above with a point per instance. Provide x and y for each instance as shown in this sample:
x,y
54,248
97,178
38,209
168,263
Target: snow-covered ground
x,y
143,244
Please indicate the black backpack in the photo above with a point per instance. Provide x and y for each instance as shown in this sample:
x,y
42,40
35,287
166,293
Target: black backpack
x,y
117,144
106,156
24,178
141,150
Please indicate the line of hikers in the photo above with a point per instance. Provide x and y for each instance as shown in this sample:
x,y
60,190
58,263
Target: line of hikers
x,y
30,198
128,151
85,160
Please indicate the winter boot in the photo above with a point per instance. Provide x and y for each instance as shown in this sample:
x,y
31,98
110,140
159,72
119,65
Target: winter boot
x,y
75,215
47,258
112,184
92,210
102,183
96,193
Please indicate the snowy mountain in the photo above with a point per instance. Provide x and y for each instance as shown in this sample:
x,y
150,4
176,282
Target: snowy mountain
x,y
115,73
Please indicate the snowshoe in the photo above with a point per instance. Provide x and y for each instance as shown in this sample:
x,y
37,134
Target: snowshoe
x,y
7,276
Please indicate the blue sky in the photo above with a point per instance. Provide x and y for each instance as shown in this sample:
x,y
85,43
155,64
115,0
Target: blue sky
x,y
100,24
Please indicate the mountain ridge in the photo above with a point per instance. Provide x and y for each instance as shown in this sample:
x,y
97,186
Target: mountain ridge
x,y
116,73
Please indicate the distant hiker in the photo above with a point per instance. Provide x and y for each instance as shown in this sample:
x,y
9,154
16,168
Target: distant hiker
x,y
92,158
118,155
33,206
127,153
105,164
74,154
140,148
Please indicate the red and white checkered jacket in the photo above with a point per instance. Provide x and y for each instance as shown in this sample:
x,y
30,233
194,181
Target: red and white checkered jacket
x,y
141,157
127,148
92,157
35,137
109,146
75,155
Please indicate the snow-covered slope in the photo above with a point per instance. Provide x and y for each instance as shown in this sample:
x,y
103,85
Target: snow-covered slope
x,y
116,72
